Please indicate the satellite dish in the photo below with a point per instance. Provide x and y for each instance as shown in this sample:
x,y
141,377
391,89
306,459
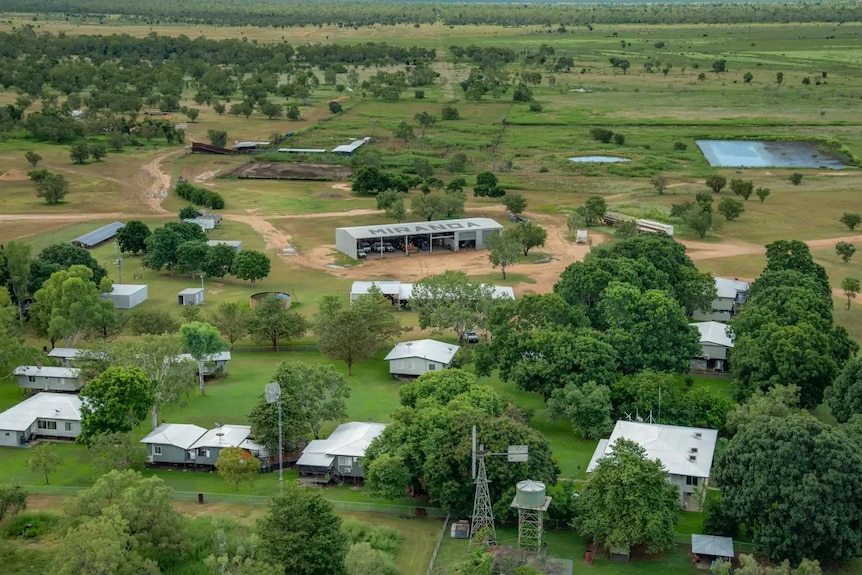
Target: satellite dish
x,y
220,435
272,392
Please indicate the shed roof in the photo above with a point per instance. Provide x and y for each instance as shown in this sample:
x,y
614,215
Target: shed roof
x,y
712,545
412,228
65,352
713,332
205,223
682,450
404,291
351,147
238,145
231,243
220,356
424,349
302,150
231,436
191,291
349,439
98,236
43,405
729,288
181,435
47,371
127,289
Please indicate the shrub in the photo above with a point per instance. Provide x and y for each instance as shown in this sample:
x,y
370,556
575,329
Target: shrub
x,y
31,525
419,94
544,170
535,107
200,196
619,139
796,178
449,113
384,539
603,135
680,146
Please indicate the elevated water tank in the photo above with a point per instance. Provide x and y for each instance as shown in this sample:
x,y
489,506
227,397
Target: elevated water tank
x,y
530,494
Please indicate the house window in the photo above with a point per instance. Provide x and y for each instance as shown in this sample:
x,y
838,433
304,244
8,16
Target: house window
x,y
202,452
68,426
47,424
689,480
342,460
32,379
157,449
431,367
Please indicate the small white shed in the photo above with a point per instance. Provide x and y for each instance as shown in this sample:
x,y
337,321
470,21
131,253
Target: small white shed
x,y
127,296
582,237
715,346
191,296
413,358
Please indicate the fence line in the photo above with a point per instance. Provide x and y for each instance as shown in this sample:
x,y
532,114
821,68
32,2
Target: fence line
x,y
250,349
437,545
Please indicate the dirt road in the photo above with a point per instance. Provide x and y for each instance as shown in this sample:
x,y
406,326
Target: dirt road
x,y
159,181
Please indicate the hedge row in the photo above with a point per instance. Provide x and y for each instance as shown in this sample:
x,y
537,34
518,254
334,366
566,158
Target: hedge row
x,y
200,196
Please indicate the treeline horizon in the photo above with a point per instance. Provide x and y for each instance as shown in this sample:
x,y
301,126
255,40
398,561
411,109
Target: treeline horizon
x,y
554,15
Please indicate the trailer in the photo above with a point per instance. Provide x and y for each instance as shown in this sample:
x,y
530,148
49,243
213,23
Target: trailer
x,y
654,227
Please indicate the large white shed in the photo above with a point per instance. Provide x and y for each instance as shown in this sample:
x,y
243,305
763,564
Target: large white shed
x,y
127,296
413,358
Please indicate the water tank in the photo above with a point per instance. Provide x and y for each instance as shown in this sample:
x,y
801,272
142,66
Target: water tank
x,y
530,494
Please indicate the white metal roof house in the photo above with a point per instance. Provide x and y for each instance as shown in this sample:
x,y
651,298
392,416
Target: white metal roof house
x,y
169,443
715,345
46,378
730,294
436,236
205,450
413,358
126,296
46,415
686,452
339,455
64,355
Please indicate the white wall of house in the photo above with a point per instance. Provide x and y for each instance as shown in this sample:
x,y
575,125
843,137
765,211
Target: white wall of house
x,y
714,351
414,366
687,484
43,383
45,427
10,438
723,316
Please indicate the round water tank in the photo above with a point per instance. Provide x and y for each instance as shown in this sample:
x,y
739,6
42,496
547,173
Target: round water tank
x,y
530,493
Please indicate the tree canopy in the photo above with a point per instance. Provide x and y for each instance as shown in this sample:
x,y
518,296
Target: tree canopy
x,y
115,401
451,301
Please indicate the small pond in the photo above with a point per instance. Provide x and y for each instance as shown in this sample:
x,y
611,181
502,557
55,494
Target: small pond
x,y
765,154
598,159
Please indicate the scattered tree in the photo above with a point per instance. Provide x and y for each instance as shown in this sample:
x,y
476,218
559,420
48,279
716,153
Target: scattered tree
x,y
44,459
202,340
272,110
335,107
449,113
404,132
218,261
646,515
32,158
217,138
742,188
231,319
52,187
235,466
79,151
779,78
851,220
250,265
851,289
528,235
730,208
796,178
699,219
271,321
356,332
302,533
515,203
98,151
451,301
762,194
845,251
425,120
659,183
109,451
593,210
716,183
504,250
313,394
748,77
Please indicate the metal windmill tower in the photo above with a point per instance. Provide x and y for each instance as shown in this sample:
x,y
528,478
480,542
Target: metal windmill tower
x,y
482,522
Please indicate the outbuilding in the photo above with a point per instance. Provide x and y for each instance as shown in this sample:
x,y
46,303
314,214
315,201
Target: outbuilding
x,y
96,237
715,346
44,415
216,365
413,358
126,296
730,295
707,549
414,237
191,296
348,149
47,378
205,450
64,355
169,443
235,244
338,457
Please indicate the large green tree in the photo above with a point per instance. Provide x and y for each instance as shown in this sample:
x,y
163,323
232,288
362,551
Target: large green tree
x,y
250,265
629,501
69,305
235,468
504,250
430,443
844,396
529,236
231,319
451,301
66,256
301,532
271,321
116,401
357,331
162,245
132,237
774,477
203,341
588,407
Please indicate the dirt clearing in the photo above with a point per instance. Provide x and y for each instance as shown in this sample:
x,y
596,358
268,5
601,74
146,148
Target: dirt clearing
x,y
293,171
